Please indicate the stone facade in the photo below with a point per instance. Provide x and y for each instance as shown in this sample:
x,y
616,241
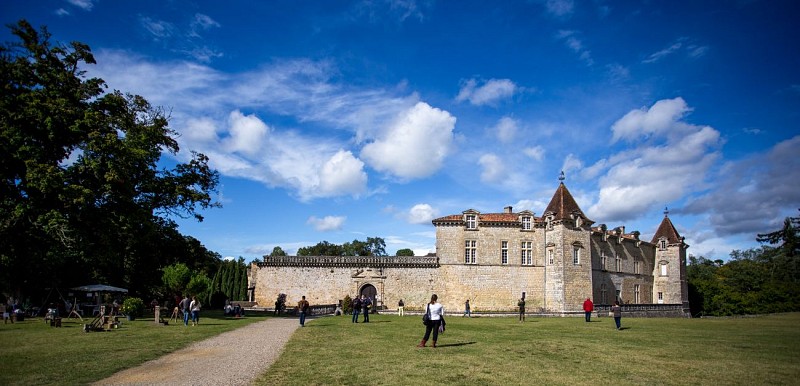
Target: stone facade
x,y
556,260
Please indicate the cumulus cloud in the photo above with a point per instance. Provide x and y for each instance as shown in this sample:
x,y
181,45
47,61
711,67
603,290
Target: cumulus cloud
x,y
752,195
505,129
492,168
672,163
327,223
662,117
414,145
421,214
402,136
536,152
490,93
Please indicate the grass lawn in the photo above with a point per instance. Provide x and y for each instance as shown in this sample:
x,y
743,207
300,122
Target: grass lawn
x,y
479,351
568,351
33,353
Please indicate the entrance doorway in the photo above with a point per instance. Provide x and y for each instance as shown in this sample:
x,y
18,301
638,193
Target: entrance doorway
x,y
371,292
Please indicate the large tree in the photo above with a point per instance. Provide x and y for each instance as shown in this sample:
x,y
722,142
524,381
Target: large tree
x,y
82,196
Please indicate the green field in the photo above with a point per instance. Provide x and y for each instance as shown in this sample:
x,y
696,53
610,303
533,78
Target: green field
x,y
479,351
568,351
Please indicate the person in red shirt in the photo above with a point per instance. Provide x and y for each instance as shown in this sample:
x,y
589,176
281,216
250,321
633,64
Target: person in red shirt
x,y
588,307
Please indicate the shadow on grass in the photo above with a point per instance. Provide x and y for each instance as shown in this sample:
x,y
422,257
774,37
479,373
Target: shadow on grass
x,y
454,344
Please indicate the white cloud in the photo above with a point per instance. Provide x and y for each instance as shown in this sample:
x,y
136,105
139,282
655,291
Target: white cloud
x,y
753,195
404,137
327,223
491,92
342,174
158,28
657,172
571,163
414,145
247,133
421,214
575,44
536,152
62,12
506,129
658,119
492,168
680,45
85,5
204,21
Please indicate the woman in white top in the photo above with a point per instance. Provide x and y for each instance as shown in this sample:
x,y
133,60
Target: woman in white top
x,y
436,312
195,307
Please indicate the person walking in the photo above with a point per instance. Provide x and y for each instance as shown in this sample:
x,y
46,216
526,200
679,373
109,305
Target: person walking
x,y
400,306
521,305
435,313
302,308
356,308
467,311
366,302
185,303
617,310
195,307
588,307
6,315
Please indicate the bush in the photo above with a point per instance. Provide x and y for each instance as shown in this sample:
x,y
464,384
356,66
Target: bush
x,y
133,307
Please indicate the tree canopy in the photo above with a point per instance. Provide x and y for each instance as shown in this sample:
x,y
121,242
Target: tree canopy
x,y
755,281
83,197
373,246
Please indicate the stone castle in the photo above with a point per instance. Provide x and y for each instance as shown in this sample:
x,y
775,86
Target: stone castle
x,y
555,261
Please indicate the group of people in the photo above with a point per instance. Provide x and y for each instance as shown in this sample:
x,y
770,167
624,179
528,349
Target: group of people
x,y
362,305
191,308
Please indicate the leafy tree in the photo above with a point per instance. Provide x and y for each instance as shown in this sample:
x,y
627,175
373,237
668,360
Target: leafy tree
x,y
323,248
176,277
405,252
81,195
277,251
199,285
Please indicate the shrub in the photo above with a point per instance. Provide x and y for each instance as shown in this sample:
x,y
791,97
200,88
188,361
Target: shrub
x,y
133,307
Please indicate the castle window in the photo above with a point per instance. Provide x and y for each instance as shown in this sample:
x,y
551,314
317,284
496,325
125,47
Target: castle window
x,y
603,260
472,221
636,268
663,244
663,269
618,264
527,253
526,223
469,251
550,256
636,294
576,255
660,298
619,299
603,294
504,252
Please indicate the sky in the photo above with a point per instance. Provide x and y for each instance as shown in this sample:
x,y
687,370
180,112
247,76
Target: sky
x,y
342,120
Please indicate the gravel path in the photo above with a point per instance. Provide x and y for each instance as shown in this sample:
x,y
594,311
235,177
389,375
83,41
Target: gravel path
x,y
232,358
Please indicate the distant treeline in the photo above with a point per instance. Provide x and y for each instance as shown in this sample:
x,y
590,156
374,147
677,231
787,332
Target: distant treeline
x,y
756,281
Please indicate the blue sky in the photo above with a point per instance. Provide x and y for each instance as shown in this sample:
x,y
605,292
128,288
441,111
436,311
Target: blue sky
x,y
333,120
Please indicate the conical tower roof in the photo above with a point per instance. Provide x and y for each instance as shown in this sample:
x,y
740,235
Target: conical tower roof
x,y
562,205
667,230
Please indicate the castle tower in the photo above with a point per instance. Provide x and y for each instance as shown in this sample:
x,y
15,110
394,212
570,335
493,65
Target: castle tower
x,y
568,260
669,271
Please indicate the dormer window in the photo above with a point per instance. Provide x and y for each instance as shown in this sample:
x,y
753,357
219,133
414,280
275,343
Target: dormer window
x,y
472,221
662,244
578,221
526,223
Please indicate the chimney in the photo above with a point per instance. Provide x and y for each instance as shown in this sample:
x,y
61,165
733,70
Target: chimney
x,y
508,209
